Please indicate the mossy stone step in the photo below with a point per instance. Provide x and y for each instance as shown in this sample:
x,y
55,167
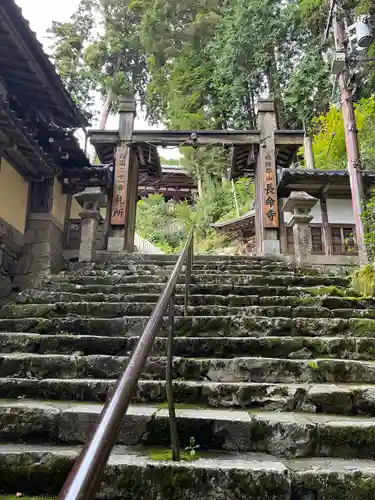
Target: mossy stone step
x,y
229,476
131,474
330,302
342,399
202,326
209,266
201,278
195,289
107,258
120,309
220,347
279,434
245,369
148,269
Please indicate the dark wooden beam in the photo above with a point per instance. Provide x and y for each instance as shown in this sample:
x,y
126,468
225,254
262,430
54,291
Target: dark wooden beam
x,y
179,137
34,90
20,74
203,137
326,230
289,137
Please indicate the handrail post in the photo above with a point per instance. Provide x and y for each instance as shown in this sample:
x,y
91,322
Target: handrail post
x,y
169,380
189,265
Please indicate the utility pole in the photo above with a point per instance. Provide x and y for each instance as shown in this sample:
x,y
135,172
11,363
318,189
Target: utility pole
x,y
351,133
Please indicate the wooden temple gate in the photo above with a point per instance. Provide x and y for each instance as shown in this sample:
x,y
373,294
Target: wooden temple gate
x,y
258,153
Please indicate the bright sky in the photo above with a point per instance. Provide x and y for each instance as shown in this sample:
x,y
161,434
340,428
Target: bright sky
x,y
40,14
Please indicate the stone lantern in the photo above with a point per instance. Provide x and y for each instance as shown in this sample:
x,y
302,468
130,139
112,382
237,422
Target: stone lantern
x,y
300,205
91,199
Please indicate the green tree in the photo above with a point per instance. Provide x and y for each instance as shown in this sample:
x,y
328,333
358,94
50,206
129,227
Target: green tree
x,y
68,47
329,138
270,46
99,50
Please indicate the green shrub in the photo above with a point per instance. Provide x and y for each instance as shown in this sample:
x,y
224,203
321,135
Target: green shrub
x,y
166,224
363,281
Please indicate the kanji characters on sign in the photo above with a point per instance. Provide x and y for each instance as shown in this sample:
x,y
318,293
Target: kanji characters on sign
x,y
271,212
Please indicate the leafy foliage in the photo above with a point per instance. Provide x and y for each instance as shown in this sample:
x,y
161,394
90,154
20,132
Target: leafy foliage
x,y
166,224
203,63
99,50
329,137
368,218
69,39
363,281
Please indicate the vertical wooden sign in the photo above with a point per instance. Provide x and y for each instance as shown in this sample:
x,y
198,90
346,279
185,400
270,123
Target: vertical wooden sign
x,y
119,189
271,209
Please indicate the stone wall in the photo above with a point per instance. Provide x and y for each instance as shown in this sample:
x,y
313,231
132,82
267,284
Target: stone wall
x,y
43,250
11,244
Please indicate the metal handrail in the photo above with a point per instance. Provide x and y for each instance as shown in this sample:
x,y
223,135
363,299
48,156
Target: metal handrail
x,y
85,477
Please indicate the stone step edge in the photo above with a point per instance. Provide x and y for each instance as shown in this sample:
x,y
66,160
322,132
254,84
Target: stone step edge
x,y
336,347
189,318
153,297
342,399
265,359
199,412
278,433
238,368
256,338
124,303
194,383
260,474
321,278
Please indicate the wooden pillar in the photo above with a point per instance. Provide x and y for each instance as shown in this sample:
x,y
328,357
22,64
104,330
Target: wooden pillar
x,y
68,209
120,232
41,196
327,237
108,218
283,235
267,209
309,153
132,207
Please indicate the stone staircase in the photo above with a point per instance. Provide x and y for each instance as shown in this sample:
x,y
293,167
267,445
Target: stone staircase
x,y
274,380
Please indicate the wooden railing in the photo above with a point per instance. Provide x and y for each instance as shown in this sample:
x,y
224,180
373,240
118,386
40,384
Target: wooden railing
x,y
84,480
146,247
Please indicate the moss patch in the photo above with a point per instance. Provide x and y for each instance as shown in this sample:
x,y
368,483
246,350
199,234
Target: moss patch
x,y
313,365
320,291
160,454
363,281
183,406
362,327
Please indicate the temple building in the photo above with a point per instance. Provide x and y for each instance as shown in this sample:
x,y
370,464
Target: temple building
x,y
37,144
331,230
174,184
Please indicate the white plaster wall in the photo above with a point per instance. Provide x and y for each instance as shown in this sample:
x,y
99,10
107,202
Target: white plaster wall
x,y
339,212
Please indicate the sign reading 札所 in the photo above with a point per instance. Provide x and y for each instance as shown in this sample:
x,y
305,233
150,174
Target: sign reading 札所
x,y
119,188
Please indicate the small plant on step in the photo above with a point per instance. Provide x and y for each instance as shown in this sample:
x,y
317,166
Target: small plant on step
x,y
192,447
